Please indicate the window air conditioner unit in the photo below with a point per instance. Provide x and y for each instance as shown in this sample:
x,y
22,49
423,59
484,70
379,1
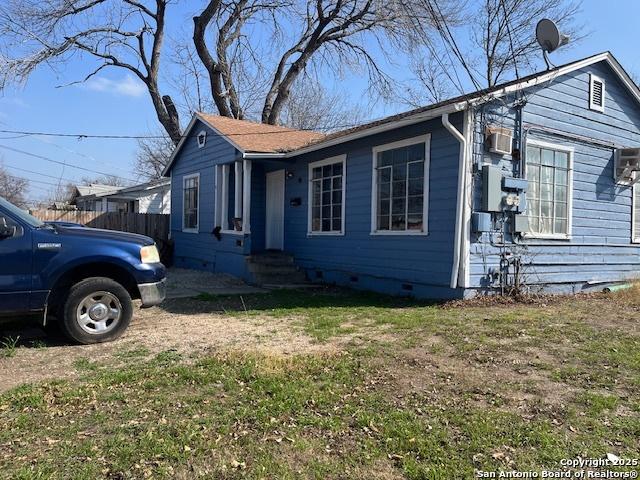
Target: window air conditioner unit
x,y
500,143
626,165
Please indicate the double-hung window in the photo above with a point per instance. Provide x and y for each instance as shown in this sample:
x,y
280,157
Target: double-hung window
x,y
549,173
635,213
327,183
190,202
400,187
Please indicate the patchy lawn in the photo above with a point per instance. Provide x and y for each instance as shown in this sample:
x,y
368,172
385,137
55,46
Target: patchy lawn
x,y
370,387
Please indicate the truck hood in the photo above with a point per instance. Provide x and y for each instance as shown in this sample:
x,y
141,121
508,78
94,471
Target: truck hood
x,y
99,234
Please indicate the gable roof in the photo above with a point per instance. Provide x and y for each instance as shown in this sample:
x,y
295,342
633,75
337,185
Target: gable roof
x,y
474,98
259,137
280,139
95,189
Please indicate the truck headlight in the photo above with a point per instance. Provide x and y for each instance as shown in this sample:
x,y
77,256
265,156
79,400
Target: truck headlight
x,y
149,254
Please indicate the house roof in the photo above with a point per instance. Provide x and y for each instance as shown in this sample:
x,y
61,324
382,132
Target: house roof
x,y
481,96
259,137
95,189
280,140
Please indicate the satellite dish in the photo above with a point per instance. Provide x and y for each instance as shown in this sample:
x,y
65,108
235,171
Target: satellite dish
x,y
548,35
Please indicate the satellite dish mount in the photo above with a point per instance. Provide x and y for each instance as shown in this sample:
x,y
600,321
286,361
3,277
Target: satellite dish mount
x,y
549,38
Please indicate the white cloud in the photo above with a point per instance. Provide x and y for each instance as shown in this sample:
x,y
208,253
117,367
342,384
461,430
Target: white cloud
x,y
126,86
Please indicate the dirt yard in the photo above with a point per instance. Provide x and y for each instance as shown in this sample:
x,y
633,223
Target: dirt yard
x,y
186,326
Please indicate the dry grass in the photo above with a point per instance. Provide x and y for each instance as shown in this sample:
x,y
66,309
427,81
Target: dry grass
x,y
334,384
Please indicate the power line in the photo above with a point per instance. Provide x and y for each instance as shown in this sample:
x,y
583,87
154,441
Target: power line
x,y
6,147
55,177
30,180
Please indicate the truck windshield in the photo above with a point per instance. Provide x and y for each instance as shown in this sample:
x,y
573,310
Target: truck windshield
x,y
20,214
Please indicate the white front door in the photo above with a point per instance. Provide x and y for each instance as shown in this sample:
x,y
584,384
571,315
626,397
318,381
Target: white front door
x,y
275,211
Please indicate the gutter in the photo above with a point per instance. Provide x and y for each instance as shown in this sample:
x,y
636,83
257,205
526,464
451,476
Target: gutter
x,y
461,207
265,156
410,120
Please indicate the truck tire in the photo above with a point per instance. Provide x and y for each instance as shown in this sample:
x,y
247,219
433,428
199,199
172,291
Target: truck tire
x,y
96,310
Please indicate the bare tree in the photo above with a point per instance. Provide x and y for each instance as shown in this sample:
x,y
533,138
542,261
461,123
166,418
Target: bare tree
x,y
153,156
126,35
504,31
312,107
110,180
245,72
12,188
190,79
431,85
340,34
63,194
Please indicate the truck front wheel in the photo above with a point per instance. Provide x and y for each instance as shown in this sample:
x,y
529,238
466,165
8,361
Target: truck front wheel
x,y
97,310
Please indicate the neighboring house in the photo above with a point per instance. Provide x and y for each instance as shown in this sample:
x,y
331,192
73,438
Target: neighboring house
x,y
524,184
151,197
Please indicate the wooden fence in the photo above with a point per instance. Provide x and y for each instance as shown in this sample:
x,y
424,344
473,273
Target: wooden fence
x,y
152,225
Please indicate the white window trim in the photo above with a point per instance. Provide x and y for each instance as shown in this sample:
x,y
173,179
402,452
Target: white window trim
x,y
426,139
635,237
203,134
592,106
320,163
221,207
197,227
570,151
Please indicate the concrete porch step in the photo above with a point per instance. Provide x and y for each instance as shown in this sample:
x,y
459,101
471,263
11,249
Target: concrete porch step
x,y
275,268
295,277
283,269
270,258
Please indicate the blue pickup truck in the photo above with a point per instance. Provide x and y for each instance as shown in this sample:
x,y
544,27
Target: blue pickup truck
x,y
84,277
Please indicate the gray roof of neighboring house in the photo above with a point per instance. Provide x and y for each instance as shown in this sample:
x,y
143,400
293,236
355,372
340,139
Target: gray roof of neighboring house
x,y
95,189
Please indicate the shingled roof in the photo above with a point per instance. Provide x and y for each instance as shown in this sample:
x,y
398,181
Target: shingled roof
x,y
259,137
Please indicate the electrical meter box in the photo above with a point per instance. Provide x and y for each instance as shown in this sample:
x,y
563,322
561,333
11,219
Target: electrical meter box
x,y
520,223
481,222
491,188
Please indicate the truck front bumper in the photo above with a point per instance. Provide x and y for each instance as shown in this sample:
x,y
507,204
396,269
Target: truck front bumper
x,y
152,293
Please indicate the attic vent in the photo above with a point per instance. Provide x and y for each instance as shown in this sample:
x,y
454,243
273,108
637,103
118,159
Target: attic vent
x,y
596,93
202,138
627,165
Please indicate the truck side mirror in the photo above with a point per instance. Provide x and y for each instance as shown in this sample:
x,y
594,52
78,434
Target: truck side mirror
x,y
6,231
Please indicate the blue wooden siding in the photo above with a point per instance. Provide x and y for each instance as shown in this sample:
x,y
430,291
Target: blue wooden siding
x,y
399,264
600,248
379,262
202,250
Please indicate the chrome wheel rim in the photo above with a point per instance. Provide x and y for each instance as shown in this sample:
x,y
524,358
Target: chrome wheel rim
x,y
99,313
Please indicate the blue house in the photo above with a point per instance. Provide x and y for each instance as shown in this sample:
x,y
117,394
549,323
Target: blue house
x,y
528,185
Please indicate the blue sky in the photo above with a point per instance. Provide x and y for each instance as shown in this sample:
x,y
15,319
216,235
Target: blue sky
x,y
116,103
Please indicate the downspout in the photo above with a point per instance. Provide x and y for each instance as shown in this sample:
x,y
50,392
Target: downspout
x,y
460,204
465,247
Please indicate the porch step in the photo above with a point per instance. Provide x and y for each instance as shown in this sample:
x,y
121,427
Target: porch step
x,y
271,258
275,268
294,278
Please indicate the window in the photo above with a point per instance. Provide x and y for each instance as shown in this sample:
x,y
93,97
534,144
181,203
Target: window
x,y
202,139
191,190
549,192
327,185
596,93
400,187
232,197
635,214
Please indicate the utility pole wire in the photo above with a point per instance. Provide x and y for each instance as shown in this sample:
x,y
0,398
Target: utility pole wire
x,y
16,150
